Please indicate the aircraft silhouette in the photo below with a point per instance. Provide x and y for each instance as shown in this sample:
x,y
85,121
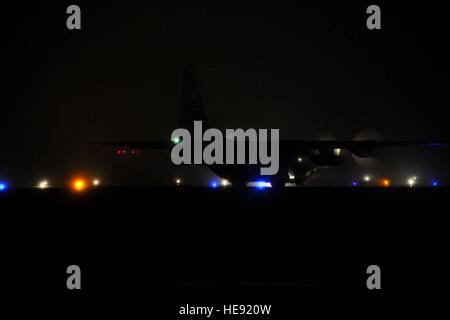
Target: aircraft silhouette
x,y
298,159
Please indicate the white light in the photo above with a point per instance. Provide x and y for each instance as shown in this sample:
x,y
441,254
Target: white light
x,y
259,184
43,184
178,182
291,176
96,182
337,152
225,182
300,159
367,178
412,181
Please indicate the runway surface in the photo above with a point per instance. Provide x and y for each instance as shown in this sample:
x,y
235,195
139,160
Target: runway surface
x,y
298,249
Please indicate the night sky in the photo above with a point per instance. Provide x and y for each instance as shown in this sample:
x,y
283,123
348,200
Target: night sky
x,y
307,69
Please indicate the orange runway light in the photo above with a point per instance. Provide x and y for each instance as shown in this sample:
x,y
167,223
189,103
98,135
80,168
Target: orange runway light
x,y
386,182
79,185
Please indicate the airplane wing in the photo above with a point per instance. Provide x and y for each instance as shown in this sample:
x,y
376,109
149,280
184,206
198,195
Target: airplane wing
x,y
360,148
154,144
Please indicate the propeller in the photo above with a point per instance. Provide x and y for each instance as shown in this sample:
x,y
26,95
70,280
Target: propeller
x,y
368,134
327,137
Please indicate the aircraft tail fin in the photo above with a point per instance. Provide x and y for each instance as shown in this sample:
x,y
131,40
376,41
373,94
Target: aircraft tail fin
x,y
191,108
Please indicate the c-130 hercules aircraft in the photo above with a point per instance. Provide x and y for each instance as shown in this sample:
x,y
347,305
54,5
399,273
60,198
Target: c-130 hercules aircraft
x,y
298,159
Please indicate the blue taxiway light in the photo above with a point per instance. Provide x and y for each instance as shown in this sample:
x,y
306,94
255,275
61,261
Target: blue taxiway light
x,y
3,186
213,184
354,183
435,183
263,184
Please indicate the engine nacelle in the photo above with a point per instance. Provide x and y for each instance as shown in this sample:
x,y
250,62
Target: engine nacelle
x,y
326,159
